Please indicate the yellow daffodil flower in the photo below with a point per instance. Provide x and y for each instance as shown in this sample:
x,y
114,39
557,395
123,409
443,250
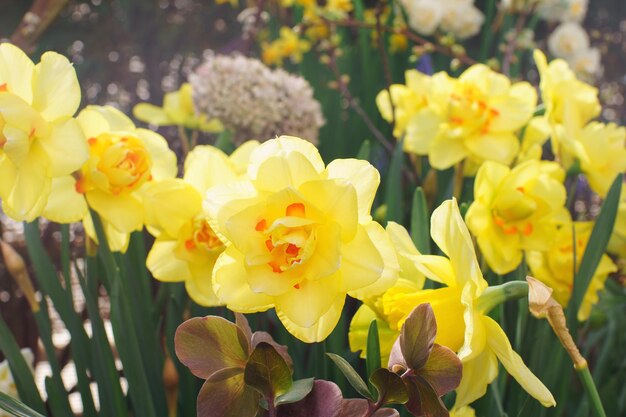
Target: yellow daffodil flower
x,y
410,279
466,411
461,308
301,237
515,210
555,267
178,109
617,244
604,158
122,160
537,133
40,143
288,45
186,246
570,103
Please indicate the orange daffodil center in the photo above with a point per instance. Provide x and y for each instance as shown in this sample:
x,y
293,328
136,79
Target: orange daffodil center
x,y
300,237
469,112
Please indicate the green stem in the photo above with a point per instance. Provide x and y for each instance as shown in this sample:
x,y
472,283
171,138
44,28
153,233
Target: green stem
x,y
591,390
497,294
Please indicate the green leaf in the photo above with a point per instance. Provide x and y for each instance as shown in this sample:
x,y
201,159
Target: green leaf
x,y
372,357
267,372
420,222
598,241
390,387
16,407
351,375
364,151
228,398
393,186
299,390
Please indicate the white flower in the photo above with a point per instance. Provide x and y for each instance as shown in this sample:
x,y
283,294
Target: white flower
x,y
562,10
424,15
586,63
7,383
567,40
461,18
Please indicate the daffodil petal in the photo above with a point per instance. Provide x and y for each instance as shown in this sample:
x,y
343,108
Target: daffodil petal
x,y
499,344
16,71
206,166
65,204
477,374
200,286
359,329
66,147
444,153
164,264
320,329
149,113
56,92
436,268
362,176
502,147
163,159
407,254
170,204
124,211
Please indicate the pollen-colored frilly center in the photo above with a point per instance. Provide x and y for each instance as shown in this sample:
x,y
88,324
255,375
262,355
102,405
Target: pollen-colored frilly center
x,y
469,111
288,240
117,164
203,238
513,211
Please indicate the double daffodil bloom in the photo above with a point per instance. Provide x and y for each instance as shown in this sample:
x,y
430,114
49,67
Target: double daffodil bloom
x,y
461,309
570,104
178,109
475,116
40,143
186,246
122,161
515,210
300,237
288,45
555,267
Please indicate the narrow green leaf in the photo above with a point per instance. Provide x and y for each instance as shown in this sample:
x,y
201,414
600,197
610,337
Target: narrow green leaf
x,y
57,398
364,151
393,186
22,374
267,372
372,360
16,407
298,391
351,375
420,222
598,241
390,387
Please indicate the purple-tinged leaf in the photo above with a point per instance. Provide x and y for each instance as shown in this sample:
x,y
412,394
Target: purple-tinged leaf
x,y
423,400
418,335
396,363
325,400
208,344
390,387
227,398
300,389
242,322
443,370
267,372
258,337
357,407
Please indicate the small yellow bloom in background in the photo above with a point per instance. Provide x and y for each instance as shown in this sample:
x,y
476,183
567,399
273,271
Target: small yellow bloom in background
x,y
461,313
398,43
301,237
555,267
288,45
186,246
617,244
40,143
339,8
570,103
178,109
122,161
604,155
515,210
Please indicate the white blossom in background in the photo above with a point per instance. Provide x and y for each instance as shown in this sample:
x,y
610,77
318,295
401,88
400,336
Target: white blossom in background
x,y
461,18
424,16
7,383
567,40
586,63
254,101
562,10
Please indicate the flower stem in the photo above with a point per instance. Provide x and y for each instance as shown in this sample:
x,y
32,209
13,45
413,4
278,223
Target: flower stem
x,y
591,390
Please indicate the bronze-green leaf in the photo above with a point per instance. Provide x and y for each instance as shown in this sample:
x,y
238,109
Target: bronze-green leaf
x,y
390,387
357,407
351,375
299,389
208,344
418,335
443,370
325,400
227,398
267,372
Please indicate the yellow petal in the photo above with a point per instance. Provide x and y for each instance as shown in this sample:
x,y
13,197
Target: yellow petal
x,y
56,92
240,157
16,71
115,119
362,176
118,241
8,172
200,286
124,212
66,147
170,204
206,166
514,108
163,159
499,343
494,146
320,329
477,374
445,152
30,190
151,114
64,204
369,265
225,200
407,254
231,286
18,146
92,122
359,328
436,268
164,264
422,131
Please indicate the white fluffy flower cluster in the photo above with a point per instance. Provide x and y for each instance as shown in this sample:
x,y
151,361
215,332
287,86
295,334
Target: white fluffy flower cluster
x,y
255,102
569,40
461,18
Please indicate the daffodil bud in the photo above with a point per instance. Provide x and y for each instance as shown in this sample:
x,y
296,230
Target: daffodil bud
x,y
17,269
